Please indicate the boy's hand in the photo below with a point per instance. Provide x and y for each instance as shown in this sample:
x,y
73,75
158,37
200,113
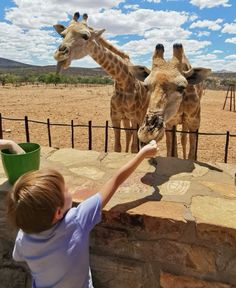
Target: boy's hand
x,y
11,146
150,149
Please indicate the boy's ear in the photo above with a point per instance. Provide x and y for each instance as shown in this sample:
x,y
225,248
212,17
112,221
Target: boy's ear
x,y
58,214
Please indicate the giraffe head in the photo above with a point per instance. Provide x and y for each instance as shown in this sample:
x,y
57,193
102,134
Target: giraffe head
x,y
76,38
166,85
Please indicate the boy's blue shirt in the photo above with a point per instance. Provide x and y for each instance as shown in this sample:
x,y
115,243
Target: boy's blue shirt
x,y
59,257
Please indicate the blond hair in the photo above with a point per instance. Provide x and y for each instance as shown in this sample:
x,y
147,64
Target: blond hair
x,y
34,198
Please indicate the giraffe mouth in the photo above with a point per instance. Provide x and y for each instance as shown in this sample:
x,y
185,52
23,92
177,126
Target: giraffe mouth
x,y
145,136
152,128
62,56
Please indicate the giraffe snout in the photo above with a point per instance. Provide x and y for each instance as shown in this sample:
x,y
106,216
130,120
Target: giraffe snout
x,y
63,49
155,121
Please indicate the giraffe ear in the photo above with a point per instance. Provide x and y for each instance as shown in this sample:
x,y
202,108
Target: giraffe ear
x,y
59,28
97,33
198,75
139,72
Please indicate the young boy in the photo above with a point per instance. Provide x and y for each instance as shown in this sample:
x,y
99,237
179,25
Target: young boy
x,y
54,238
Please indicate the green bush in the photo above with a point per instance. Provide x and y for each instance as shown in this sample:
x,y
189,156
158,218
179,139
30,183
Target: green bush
x,y
52,78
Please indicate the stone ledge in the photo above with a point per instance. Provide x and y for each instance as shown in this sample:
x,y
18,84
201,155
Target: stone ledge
x,y
172,281
170,213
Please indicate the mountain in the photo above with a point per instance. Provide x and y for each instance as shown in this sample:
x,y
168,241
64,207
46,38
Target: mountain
x,y
10,66
6,63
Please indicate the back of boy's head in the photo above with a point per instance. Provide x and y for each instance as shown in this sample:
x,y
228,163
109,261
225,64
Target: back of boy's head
x,y
34,198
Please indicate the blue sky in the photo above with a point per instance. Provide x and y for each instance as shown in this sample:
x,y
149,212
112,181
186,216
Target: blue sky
x,y
207,29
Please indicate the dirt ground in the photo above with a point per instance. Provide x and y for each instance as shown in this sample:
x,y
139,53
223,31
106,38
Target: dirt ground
x,y
84,103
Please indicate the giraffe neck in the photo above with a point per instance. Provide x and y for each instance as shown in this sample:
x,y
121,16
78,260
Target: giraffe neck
x,y
113,64
112,48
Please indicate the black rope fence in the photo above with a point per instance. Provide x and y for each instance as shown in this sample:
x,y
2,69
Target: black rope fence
x,y
106,128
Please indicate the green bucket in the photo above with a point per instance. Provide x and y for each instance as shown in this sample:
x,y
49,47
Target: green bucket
x,y
16,165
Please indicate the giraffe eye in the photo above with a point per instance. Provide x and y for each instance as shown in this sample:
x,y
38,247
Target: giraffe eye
x,y
180,88
85,36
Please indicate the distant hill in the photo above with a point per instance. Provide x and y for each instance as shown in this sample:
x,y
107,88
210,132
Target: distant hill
x,y
6,63
18,68
10,66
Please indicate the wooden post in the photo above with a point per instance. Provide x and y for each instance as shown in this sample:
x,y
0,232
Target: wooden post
x,y
196,147
106,137
27,129
226,146
90,135
231,95
49,133
72,134
1,131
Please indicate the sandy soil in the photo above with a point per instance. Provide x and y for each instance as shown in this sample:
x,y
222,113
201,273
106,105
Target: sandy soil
x,y
83,103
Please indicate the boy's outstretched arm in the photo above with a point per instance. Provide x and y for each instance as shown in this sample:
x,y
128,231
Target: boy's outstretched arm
x,y
124,172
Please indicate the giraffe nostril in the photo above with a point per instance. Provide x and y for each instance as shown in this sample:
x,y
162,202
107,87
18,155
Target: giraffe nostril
x,y
63,49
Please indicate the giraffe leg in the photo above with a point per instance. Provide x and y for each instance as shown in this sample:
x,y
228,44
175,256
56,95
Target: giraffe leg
x,y
116,129
169,143
176,147
193,127
134,145
184,140
192,144
128,134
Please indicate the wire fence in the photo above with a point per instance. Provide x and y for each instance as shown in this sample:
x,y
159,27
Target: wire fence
x,y
90,128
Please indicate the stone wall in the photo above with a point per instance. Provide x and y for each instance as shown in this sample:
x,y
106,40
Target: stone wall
x,y
142,251
12,274
171,225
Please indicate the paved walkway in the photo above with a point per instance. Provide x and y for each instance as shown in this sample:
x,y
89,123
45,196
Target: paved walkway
x,y
162,187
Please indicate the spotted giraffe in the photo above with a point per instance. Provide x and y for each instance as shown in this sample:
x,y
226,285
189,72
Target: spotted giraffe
x,y
175,90
130,99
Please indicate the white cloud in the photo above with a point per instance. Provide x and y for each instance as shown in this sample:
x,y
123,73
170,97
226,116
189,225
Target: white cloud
x,y
229,28
193,17
217,51
215,64
53,11
144,46
231,40
25,46
203,33
167,34
153,1
206,56
211,25
33,42
231,56
132,7
27,36
210,3
117,22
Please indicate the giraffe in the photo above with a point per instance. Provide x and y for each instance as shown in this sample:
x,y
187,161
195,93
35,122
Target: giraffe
x,y
175,90
130,100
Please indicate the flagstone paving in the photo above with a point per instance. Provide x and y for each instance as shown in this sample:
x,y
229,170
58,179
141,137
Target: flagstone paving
x,y
205,193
